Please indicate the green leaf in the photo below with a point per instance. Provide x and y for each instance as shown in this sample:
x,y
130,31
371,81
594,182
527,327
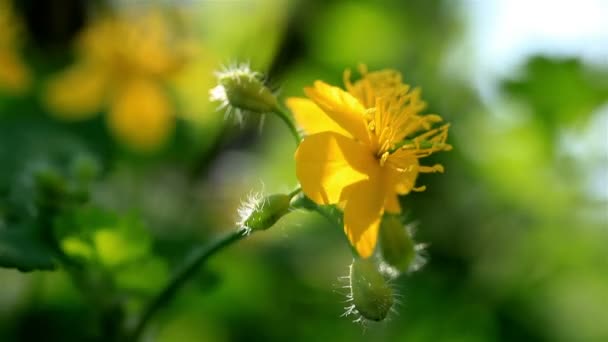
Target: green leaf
x,y
559,91
22,248
102,238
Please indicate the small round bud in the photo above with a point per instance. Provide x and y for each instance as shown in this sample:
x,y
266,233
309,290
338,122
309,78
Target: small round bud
x,y
261,213
241,89
396,245
371,294
248,93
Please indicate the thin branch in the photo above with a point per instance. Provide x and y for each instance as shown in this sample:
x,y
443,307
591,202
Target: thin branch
x,y
185,272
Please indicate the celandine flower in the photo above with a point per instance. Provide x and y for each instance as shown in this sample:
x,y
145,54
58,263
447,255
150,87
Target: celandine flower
x,y
363,148
124,64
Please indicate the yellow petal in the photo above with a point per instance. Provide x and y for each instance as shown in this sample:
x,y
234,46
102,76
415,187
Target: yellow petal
x,y
99,40
141,115
362,215
14,76
78,93
151,44
402,167
311,118
342,108
328,162
391,180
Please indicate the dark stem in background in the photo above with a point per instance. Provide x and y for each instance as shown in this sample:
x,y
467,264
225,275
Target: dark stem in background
x,y
200,168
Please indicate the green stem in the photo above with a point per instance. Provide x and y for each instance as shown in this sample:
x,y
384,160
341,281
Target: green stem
x,y
329,212
284,115
295,192
187,270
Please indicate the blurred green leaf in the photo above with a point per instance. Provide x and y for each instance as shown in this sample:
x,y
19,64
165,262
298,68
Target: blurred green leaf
x,y
559,91
22,248
99,237
147,276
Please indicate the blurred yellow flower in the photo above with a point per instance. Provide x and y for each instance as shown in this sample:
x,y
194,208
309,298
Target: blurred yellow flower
x,y
363,147
125,63
14,75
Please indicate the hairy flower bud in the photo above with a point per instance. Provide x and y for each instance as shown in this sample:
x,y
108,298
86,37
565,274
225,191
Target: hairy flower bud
x,y
371,294
241,89
260,213
398,248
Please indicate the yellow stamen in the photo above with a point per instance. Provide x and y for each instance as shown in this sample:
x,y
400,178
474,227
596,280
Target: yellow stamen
x,y
432,169
383,158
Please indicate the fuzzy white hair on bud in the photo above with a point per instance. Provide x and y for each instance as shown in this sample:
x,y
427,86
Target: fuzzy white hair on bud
x,y
218,94
261,212
371,297
421,257
398,250
250,205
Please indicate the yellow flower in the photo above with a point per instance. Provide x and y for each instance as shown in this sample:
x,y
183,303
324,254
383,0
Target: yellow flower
x,y
14,75
124,64
363,147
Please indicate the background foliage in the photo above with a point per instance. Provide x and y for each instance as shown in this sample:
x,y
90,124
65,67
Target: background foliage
x,y
516,227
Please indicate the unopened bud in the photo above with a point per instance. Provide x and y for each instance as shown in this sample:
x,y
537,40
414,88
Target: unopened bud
x,y
397,247
371,294
260,213
241,89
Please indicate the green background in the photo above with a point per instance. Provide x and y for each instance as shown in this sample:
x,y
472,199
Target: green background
x,y
516,227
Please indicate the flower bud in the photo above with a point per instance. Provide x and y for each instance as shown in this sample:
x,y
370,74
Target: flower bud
x,y
397,247
241,89
261,213
371,294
